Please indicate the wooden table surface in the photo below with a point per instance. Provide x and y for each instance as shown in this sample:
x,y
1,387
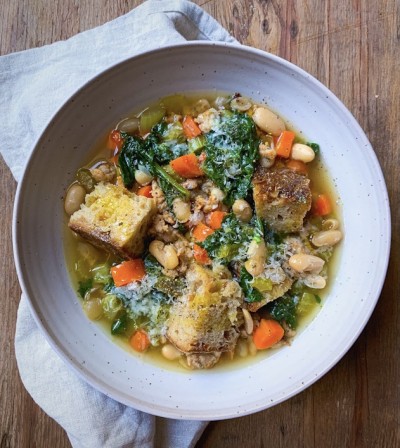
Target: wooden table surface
x,y
353,47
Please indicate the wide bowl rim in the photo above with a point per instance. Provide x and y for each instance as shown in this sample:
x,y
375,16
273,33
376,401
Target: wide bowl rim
x,y
213,414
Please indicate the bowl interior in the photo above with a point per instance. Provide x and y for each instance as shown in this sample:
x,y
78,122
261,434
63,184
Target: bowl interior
x,y
64,146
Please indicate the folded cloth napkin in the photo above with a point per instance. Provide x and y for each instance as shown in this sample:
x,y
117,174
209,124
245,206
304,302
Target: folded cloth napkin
x,y
34,84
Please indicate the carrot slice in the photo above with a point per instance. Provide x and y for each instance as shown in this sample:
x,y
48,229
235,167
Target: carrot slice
x,y
190,127
187,166
200,255
201,232
115,140
145,191
297,166
140,341
128,272
215,219
322,205
268,333
284,144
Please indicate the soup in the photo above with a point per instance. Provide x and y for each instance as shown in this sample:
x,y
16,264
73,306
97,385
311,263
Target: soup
x,y
202,230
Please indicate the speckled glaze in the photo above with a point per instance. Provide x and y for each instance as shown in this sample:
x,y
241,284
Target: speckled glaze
x,y
63,147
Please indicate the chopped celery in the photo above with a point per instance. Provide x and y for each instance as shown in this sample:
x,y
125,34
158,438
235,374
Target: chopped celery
x,y
262,284
196,143
101,273
174,103
169,170
174,131
150,117
306,304
111,305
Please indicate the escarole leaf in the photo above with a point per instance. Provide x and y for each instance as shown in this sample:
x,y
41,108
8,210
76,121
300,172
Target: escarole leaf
x,y
231,154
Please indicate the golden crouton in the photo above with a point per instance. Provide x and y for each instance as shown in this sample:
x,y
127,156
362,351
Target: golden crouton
x,y
114,219
282,197
206,318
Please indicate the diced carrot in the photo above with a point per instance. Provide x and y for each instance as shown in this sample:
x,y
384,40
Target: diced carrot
x,y
201,232
268,333
322,205
140,341
145,191
215,219
115,140
187,166
297,166
284,144
200,255
190,127
128,272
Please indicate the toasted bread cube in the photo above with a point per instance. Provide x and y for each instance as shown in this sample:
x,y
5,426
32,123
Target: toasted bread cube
x,y
282,197
206,319
114,219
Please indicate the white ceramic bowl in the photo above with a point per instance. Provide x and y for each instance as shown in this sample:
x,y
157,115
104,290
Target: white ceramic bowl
x,y
62,148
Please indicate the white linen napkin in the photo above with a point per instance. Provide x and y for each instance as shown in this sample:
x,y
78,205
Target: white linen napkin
x,y
34,84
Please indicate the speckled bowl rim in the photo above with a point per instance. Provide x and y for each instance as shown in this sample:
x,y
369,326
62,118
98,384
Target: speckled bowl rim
x,y
216,414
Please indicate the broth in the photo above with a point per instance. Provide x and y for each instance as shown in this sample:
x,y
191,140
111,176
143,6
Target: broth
x,y
320,181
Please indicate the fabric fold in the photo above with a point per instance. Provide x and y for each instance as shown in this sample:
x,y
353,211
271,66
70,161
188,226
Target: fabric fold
x,y
34,85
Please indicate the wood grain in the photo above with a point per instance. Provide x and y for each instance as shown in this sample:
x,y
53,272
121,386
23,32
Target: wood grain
x,y
354,48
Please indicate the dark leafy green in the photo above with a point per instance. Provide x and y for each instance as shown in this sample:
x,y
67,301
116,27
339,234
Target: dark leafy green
x,y
119,325
284,309
230,242
250,294
315,147
232,151
170,287
137,152
166,142
85,286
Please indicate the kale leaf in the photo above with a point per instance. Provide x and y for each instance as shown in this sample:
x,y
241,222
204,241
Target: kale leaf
x,y
231,153
284,309
230,242
250,294
166,142
138,152
315,147
170,287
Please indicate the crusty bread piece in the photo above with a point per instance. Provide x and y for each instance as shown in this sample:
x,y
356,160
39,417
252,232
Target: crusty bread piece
x,y
282,197
114,219
206,319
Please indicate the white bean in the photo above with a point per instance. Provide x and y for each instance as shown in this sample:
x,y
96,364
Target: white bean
x,y
74,198
326,238
257,253
242,349
303,153
181,210
242,210
306,263
330,224
248,321
142,177
315,282
165,254
170,352
268,121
